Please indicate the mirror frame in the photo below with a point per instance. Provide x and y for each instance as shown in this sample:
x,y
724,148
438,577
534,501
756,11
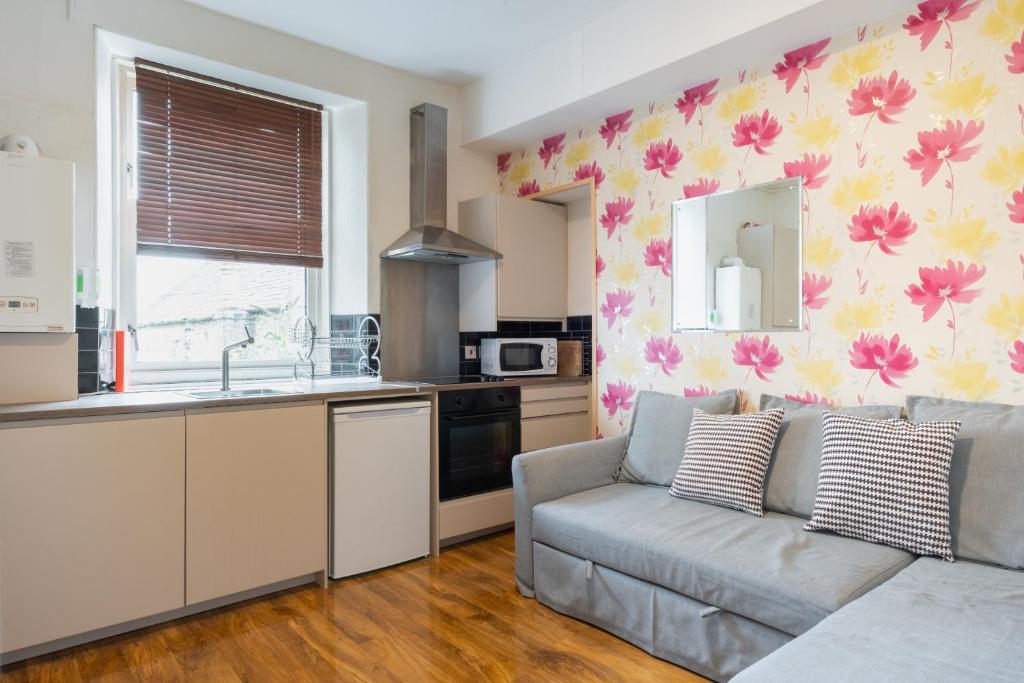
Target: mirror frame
x,y
800,259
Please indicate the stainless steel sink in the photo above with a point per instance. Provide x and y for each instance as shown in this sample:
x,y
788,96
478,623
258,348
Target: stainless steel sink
x,y
238,393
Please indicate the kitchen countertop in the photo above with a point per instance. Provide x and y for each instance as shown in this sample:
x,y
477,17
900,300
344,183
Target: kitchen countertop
x,y
149,401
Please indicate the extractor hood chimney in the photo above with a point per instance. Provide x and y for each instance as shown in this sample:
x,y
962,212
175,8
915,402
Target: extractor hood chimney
x,y
428,238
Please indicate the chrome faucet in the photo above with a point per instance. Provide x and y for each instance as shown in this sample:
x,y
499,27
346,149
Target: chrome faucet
x,y
225,365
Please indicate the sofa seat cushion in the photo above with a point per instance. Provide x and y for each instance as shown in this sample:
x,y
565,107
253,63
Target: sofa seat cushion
x,y
764,568
934,621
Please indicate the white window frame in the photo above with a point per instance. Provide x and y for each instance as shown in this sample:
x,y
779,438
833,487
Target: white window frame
x,y
148,375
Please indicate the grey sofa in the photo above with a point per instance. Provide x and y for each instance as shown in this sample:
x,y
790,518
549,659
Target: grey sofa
x,y
716,590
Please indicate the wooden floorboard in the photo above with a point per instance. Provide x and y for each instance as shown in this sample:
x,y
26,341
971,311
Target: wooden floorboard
x,y
457,617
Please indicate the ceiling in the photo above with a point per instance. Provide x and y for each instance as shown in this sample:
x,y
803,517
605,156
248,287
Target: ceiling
x,y
454,41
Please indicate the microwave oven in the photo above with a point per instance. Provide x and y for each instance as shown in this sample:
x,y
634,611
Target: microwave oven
x,y
511,357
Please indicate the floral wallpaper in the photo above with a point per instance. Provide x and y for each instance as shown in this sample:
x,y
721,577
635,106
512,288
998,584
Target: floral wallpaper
x,y
909,135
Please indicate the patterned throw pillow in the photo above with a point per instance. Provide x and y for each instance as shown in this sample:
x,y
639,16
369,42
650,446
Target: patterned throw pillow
x,y
886,481
726,459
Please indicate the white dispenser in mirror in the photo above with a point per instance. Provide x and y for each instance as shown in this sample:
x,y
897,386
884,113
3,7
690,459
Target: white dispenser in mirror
x,y
737,298
37,244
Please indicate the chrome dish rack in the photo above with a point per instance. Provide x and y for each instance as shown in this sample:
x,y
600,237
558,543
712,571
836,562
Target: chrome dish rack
x,y
339,354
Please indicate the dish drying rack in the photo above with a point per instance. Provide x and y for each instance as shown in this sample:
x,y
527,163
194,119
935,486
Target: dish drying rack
x,y
358,351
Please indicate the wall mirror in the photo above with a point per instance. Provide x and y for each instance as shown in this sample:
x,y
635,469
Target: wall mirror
x,y
737,260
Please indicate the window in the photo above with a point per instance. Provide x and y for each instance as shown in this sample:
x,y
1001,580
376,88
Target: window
x,y
221,223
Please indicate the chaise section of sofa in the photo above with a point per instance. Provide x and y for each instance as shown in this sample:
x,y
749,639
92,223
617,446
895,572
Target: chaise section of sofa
x,y
934,621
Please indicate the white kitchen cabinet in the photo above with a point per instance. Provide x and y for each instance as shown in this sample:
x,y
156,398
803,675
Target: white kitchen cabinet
x,y
555,415
92,524
256,492
530,282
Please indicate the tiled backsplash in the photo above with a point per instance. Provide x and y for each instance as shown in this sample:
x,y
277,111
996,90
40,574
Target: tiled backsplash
x,y
577,327
346,361
95,327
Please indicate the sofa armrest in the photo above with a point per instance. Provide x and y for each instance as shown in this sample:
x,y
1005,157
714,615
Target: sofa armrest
x,y
551,474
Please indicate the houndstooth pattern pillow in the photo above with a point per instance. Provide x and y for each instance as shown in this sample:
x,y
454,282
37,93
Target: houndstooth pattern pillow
x,y
726,459
886,481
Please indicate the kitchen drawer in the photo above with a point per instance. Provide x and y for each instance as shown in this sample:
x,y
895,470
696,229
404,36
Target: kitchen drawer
x,y
555,430
548,392
558,406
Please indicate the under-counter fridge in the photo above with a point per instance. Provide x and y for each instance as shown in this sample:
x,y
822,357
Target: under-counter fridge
x,y
380,484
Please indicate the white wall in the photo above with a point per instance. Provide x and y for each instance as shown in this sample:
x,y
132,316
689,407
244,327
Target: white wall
x,y
48,72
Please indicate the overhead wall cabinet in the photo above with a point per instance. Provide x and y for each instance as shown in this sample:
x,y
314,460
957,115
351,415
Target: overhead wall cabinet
x,y
92,525
530,282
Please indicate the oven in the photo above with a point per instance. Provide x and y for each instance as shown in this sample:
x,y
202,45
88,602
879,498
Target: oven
x,y
507,357
478,434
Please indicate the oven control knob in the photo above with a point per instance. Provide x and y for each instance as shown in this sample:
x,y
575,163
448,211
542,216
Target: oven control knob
x,y
459,401
551,362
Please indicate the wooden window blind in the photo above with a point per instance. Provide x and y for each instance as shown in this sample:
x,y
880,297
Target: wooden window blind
x,y
226,172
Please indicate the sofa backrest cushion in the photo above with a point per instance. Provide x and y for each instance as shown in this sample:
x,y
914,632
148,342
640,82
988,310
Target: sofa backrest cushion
x,y
986,478
793,471
661,423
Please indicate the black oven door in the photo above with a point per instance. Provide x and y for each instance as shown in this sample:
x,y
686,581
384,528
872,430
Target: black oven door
x,y
520,357
475,452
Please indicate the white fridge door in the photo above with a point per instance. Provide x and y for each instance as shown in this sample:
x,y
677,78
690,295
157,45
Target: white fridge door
x,y
380,486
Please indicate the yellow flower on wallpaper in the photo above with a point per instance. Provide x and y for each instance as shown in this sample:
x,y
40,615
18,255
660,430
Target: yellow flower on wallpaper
x,y
965,236
964,96
1007,317
651,321
819,373
967,379
626,181
709,160
1006,169
648,130
578,153
819,133
649,226
624,272
709,369
626,367
854,64
857,315
521,170
739,101
1005,22
856,190
821,253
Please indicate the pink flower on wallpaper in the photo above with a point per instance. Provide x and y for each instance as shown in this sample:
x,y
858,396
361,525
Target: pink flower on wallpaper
x,y
551,147
814,287
617,396
658,254
599,355
503,162
698,96
1015,60
617,305
943,146
932,15
944,285
702,390
599,266
703,186
884,97
591,170
615,125
795,62
662,156
810,167
811,398
761,356
1017,357
888,359
528,187
887,228
616,214
756,132
1016,206
662,351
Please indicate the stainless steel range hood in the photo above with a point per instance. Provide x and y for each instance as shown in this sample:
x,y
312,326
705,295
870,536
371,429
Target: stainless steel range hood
x,y
428,239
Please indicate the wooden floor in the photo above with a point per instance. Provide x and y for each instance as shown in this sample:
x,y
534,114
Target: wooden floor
x,y
453,618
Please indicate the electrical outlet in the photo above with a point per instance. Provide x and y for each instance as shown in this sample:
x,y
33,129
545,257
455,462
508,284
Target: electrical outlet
x,y
470,352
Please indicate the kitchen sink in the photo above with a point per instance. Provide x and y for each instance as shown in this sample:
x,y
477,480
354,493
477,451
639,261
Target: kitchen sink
x,y
237,393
